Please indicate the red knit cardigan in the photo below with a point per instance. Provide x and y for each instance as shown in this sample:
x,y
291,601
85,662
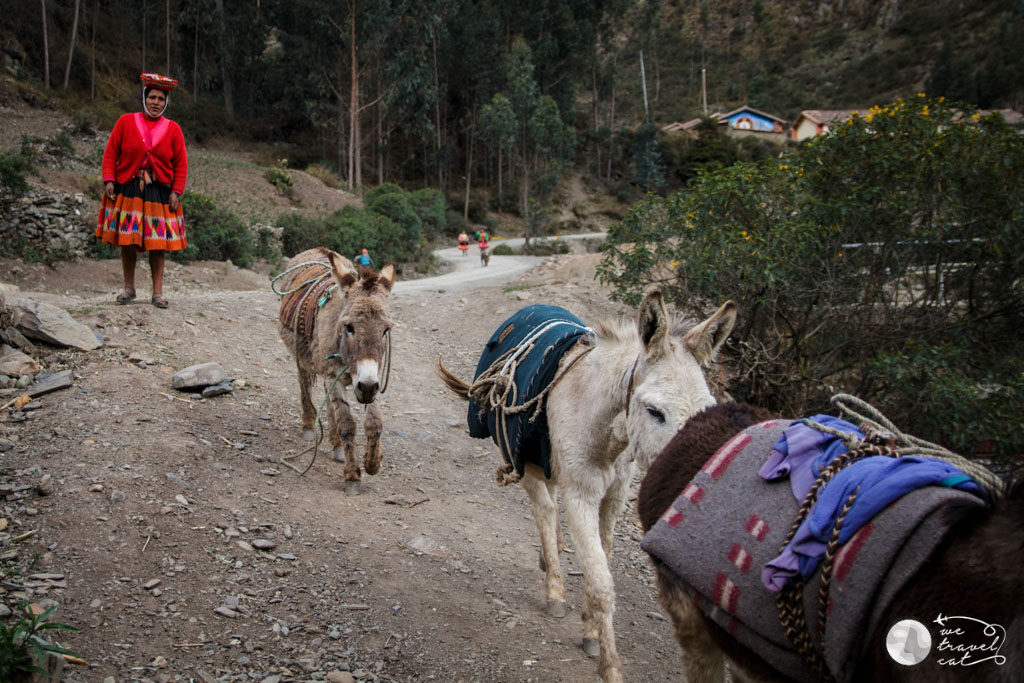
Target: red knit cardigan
x,y
126,152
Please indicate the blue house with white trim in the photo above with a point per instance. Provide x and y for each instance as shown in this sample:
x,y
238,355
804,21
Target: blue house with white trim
x,y
749,119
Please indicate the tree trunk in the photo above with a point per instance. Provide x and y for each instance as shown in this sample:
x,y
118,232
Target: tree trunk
x,y
46,49
469,172
597,120
225,70
71,47
167,31
500,162
92,70
611,132
342,152
353,100
437,113
195,62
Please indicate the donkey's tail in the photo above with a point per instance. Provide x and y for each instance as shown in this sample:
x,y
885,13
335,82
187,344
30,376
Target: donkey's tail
x,y
455,384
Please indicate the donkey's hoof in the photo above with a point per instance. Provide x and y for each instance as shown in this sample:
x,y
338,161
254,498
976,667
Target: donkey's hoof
x,y
308,435
352,488
339,454
556,609
592,647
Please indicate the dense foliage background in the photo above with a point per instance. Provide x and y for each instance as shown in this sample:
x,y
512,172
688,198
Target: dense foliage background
x,y
883,259
464,94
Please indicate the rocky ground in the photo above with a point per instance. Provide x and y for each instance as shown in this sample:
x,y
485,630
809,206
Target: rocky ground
x,y
173,536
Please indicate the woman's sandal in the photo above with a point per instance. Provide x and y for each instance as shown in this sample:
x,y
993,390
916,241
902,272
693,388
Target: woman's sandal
x,y
159,301
124,297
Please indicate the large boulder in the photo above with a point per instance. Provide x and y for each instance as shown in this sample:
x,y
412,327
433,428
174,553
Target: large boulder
x,y
48,323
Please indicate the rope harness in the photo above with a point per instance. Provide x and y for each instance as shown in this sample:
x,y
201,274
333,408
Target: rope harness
x,y
495,388
314,283
881,437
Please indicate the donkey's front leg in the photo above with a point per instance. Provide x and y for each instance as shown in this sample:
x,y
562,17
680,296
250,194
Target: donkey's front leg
x,y
613,502
582,502
545,513
343,439
372,425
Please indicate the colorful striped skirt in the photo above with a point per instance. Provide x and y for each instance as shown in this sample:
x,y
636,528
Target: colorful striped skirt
x,y
139,214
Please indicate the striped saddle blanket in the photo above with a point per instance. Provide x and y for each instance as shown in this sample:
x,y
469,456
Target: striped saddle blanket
x,y
729,522
534,339
313,287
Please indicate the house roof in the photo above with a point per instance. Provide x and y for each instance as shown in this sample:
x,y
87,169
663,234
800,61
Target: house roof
x,y
744,108
681,126
823,116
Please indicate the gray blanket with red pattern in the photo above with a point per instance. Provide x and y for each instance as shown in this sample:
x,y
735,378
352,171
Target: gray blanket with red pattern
x,y
728,522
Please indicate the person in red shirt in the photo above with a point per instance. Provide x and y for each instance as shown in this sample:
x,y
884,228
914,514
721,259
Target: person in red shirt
x,y
144,171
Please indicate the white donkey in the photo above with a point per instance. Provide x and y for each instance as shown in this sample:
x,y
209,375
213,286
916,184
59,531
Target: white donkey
x,y
616,401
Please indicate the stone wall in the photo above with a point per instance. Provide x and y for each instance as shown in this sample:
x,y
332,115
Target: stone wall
x,y
47,221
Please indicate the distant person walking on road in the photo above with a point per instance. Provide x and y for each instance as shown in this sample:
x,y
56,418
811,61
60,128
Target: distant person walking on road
x,y
144,171
363,259
485,245
464,243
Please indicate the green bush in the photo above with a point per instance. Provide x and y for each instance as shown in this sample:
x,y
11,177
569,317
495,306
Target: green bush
x,y
503,250
301,233
969,407
347,231
280,177
902,224
397,207
372,193
213,233
429,205
13,168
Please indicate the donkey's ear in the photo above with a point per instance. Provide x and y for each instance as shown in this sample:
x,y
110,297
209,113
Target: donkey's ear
x,y
705,339
345,278
387,276
652,323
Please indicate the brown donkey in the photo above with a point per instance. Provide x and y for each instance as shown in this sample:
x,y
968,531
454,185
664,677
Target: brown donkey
x,y
335,323
966,594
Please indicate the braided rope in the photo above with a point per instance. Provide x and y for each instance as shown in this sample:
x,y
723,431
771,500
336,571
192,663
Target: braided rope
x,y
911,445
298,266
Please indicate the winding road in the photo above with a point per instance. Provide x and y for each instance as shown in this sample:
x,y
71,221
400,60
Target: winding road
x,y
469,273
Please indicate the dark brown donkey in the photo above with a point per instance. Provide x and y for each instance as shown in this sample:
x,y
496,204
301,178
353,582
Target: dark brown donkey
x,y
335,323
976,573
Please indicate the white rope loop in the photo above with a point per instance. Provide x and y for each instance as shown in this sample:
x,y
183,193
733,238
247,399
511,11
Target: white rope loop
x,y
908,445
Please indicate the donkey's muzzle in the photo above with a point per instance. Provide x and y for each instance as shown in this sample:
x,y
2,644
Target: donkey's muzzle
x,y
366,384
366,391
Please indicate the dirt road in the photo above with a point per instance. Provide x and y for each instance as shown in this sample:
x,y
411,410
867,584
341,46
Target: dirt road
x,y
161,502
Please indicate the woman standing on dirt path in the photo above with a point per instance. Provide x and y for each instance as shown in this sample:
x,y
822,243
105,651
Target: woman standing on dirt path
x,y
144,171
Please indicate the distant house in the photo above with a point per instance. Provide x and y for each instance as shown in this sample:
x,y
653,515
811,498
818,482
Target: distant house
x,y
812,122
749,119
740,122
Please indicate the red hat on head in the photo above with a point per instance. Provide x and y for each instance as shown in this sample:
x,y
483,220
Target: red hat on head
x,y
155,80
